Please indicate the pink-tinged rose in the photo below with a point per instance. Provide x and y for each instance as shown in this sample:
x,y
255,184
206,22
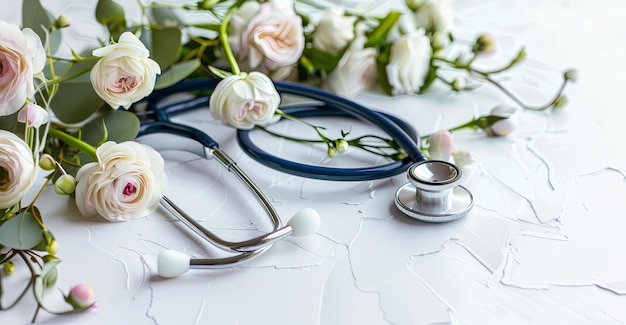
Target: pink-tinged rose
x,y
355,71
124,74
508,123
267,37
33,115
17,169
441,145
127,182
81,296
245,100
409,62
21,57
334,31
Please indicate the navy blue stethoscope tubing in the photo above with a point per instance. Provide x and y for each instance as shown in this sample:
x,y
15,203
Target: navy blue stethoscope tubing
x,y
332,105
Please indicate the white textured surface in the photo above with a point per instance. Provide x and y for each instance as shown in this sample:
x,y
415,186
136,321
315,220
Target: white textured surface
x,y
544,244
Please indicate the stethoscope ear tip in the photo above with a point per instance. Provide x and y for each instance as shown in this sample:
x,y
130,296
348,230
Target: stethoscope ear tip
x,y
305,222
171,264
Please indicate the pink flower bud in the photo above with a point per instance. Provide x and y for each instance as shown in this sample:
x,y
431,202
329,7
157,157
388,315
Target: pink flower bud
x,y
81,296
509,122
33,115
441,145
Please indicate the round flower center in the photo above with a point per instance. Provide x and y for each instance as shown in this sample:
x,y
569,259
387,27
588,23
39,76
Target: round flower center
x,y
125,84
1,67
4,176
129,189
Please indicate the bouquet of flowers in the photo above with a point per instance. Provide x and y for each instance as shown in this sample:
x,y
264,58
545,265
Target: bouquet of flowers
x,y
73,116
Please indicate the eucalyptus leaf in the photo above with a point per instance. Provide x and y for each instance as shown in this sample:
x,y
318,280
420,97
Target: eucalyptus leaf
x,y
120,125
166,45
167,17
74,102
111,14
176,73
35,17
41,280
22,231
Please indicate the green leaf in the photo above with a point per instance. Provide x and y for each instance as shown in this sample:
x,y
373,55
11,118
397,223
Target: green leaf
x,y
75,102
322,60
22,231
381,69
111,14
378,36
429,79
176,73
166,45
165,17
43,280
120,125
35,17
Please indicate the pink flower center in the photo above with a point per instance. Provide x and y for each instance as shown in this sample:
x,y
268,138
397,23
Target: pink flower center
x,y
129,189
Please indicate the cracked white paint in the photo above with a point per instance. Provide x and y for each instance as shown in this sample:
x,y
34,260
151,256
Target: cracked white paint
x,y
544,243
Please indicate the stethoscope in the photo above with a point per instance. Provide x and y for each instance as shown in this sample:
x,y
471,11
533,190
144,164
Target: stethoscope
x,y
433,193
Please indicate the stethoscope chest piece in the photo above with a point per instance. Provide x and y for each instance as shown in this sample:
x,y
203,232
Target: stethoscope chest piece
x,y
433,193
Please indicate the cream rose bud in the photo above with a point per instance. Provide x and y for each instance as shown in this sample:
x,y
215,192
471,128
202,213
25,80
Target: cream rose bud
x,y
441,145
409,62
126,182
355,71
17,169
21,56
508,124
268,36
124,74
334,31
245,100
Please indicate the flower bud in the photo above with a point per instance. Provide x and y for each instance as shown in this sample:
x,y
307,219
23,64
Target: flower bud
x,y
63,21
48,258
46,162
458,84
33,115
332,152
441,145
484,45
53,247
502,121
81,296
207,4
463,158
560,102
341,145
66,184
571,74
414,5
9,267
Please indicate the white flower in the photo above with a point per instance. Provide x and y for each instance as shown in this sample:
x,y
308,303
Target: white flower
x,y
463,158
409,62
268,36
17,169
21,56
436,16
356,70
33,115
509,122
126,183
124,74
441,145
244,100
334,31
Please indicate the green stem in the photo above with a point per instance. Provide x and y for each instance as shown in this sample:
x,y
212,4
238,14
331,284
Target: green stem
x,y
73,141
471,124
223,35
70,77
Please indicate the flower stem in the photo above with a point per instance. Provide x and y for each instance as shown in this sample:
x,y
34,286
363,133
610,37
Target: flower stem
x,y
75,142
223,35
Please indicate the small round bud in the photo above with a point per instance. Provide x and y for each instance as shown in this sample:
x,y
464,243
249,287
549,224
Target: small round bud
x,y
66,184
9,267
53,247
332,152
46,162
81,296
341,145
207,4
63,21
414,5
484,45
560,102
458,84
571,74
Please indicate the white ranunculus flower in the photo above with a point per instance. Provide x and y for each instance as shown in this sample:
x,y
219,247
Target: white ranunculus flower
x,y
334,31
437,17
267,37
409,62
356,70
124,74
245,100
21,56
17,169
127,182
